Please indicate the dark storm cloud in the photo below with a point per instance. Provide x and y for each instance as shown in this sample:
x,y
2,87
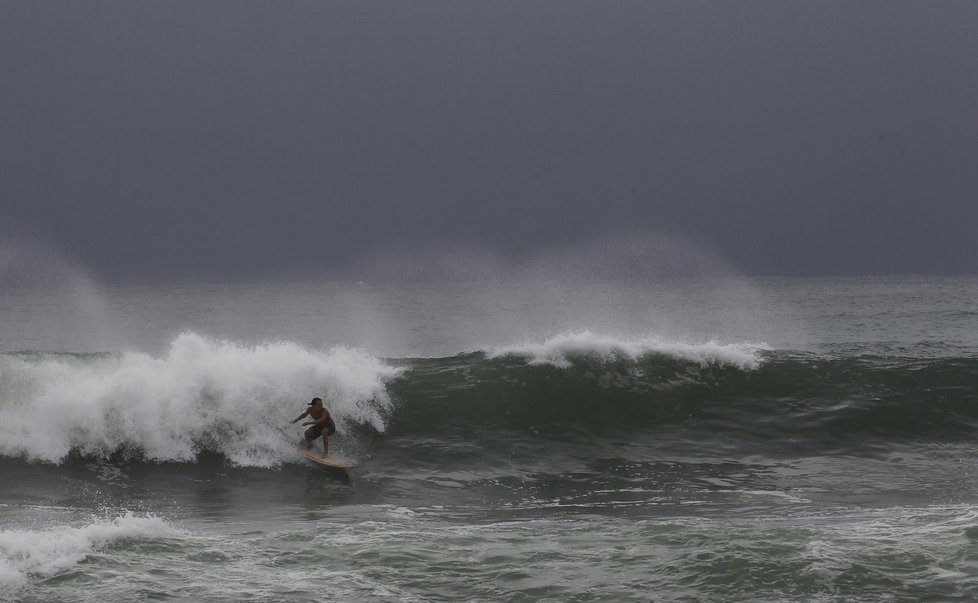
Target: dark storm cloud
x,y
247,138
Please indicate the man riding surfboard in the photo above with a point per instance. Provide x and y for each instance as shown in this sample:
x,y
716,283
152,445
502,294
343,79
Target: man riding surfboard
x,y
322,424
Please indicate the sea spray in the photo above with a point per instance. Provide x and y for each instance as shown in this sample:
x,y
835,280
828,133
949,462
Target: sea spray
x,y
38,278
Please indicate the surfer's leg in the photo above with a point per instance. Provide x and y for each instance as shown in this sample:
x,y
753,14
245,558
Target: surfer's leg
x,y
310,435
326,435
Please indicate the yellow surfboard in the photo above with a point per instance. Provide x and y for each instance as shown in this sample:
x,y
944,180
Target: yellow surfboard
x,y
328,461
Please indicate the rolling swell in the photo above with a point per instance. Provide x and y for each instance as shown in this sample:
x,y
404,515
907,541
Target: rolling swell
x,y
787,399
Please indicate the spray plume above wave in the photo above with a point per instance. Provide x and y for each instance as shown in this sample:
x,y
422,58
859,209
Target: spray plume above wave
x,y
38,280
626,286
417,303
612,258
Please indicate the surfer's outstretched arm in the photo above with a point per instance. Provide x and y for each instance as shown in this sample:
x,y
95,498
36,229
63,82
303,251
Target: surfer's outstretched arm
x,y
305,414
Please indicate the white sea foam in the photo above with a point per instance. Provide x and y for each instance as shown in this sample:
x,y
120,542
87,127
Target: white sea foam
x,y
202,394
558,350
26,553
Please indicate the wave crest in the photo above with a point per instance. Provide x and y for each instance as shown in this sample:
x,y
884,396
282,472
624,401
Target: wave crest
x,y
562,349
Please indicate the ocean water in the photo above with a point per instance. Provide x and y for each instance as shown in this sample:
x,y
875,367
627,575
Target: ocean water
x,y
708,439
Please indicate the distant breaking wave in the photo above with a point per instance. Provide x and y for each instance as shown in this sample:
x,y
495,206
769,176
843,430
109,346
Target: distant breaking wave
x,y
559,351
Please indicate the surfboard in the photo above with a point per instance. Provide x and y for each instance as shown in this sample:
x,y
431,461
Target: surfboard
x,y
328,461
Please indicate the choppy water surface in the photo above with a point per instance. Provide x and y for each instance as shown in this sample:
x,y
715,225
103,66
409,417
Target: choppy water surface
x,y
763,440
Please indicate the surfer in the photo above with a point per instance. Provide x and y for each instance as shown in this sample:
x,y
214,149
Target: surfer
x,y
322,424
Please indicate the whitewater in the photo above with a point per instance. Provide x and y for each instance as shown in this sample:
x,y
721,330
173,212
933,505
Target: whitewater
x,y
200,395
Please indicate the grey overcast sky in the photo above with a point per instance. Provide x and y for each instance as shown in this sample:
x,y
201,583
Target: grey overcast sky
x,y
243,139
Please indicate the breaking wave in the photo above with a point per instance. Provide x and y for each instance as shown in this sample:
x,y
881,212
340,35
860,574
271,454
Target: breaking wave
x,y
209,396
201,395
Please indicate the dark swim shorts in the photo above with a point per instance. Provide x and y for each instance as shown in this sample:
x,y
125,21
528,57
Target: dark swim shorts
x,y
317,430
